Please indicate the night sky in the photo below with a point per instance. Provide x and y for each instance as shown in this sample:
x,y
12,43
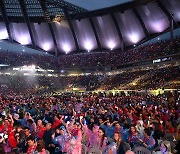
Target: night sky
x,y
96,4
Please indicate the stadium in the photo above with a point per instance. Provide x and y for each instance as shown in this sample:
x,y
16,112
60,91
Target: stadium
x,y
84,77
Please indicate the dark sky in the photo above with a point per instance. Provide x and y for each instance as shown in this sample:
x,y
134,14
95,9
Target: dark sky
x,y
96,4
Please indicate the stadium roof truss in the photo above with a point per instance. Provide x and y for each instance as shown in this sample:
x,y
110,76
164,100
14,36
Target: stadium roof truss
x,y
31,23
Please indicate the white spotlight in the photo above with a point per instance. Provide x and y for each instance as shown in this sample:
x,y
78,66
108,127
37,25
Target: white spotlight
x,y
88,45
66,48
111,45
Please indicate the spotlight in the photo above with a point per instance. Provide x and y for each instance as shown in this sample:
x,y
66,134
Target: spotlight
x,y
111,44
88,45
66,48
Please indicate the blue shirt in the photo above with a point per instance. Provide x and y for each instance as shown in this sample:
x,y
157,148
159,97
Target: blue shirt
x,y
109,130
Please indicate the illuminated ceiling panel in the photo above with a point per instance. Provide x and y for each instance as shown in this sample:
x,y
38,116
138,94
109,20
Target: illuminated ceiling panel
x,y
173,6
21,33
107,32
85,34
3,31
63,34
44,37
154,18
131,28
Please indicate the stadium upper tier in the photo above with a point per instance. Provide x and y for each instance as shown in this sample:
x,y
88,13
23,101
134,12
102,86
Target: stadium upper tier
x,y
30,22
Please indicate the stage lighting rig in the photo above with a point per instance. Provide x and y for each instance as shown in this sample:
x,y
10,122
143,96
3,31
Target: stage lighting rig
x,y
58,18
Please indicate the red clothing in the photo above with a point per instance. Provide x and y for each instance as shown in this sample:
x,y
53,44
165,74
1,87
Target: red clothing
x,y
1,128
56,123
31,149
11,140
161,127
135,119
40,132
164,117
171,130
8,128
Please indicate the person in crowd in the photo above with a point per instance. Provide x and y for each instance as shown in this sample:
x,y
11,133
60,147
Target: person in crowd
x,y
21,138
47,137
31,125
101,141
40,148
129,152
108,127
165,148
169,127
62,140
140,128
118,146
31,145
72,129
40,129
76,139
134,137
56,123
148,140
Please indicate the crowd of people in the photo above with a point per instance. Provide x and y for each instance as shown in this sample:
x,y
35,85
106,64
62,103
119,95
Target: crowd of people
x,y
24,58
117,58
75,123
151,78
32,123
147,79
92,59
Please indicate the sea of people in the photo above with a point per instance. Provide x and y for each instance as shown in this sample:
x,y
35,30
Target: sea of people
x,y
147,78
75,124
117,58
151,79
24,58
92,59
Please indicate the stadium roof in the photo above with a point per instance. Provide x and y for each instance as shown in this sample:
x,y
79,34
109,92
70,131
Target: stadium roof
x,y
29,22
